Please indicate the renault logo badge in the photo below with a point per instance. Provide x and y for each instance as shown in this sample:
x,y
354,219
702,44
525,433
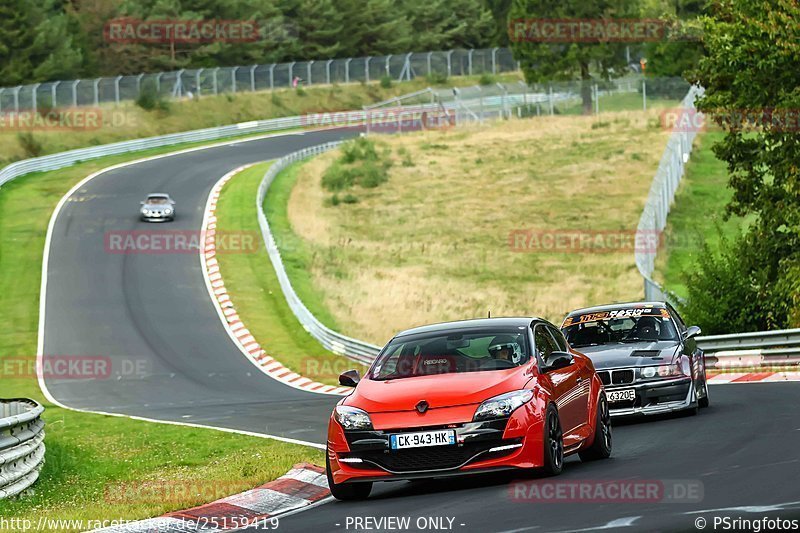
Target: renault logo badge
x,y
422,406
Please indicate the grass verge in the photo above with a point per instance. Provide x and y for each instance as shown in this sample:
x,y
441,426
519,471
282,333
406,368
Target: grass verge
x,y
254,289
696,215
91,457
436,241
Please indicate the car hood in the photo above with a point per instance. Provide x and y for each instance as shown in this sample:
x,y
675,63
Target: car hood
x,y
616,355
156,207
442,390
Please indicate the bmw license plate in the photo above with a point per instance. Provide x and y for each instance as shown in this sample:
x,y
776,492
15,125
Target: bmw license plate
x,y
444,437
620,395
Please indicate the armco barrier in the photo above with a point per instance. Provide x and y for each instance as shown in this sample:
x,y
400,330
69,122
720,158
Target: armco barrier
x,y
357,350
21,445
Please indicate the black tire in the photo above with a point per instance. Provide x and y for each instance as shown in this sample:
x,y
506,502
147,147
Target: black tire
x,y
553,443
346,491
602,443
704,401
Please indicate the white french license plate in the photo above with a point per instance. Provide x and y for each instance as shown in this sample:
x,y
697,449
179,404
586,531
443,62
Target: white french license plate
x,y
443,437
620,395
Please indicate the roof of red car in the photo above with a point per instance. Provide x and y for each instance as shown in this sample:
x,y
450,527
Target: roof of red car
x,y
473,323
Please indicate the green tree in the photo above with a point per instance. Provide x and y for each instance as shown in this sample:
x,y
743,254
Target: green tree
x,y
752,51
683,48
448,24
569,61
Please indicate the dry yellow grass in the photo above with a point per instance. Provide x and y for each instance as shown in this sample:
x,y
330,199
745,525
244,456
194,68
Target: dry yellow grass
x,y
432,244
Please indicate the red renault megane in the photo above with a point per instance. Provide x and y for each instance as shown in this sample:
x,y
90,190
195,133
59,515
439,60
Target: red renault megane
x,y
466,397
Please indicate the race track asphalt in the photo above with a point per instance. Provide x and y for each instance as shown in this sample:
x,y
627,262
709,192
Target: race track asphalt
x,y
154,311
151,315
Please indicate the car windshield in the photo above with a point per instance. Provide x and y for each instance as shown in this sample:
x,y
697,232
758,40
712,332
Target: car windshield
x,y
605,330
453,351
157,200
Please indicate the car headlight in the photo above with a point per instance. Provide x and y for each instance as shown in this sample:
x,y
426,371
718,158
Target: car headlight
x,y
503,405
168,211
352,417
666,371
144,211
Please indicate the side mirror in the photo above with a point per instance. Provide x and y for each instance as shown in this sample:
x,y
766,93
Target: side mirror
x,y
172,202
692,331
349,378
141,203
558,360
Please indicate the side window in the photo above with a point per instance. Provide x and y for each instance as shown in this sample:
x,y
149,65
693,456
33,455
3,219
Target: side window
x,y
544,342
561,342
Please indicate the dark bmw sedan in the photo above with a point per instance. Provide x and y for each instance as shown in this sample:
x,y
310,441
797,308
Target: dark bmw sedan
x,y
645,355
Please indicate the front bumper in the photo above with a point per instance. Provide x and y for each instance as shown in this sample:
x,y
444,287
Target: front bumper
x,y
362,456
654,397
157,218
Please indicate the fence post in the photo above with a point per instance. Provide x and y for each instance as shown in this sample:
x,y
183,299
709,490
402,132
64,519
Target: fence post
x,y
53,97
494,60
449,63
272,76
139,85
198,86
407,66
17,89
233,79
644,94
214,79
469,60
116,89
253,78
34,96
596,100
428,60
328,71
1,99
347,70
97,92
158,82
550,100
388,58
308,69
291,72
75,92
366,66
178,88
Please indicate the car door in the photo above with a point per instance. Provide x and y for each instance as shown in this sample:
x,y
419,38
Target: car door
x,y
583,377
564,380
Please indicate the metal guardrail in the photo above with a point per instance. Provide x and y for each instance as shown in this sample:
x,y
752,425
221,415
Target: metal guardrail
x,y
355,349
22,446
662,193
758,339
65,159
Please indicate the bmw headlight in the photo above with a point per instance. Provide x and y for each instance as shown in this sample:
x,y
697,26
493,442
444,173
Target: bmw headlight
x,y
678,369
502,406
352,417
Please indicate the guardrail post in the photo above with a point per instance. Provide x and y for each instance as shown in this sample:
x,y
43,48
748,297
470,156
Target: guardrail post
x,y
596,100
550,100
328,71
347,70
494,60
116,89
644,94
253,78
469,60
366,67
177,90
1,99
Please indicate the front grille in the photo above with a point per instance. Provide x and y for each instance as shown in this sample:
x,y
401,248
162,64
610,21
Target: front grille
x,y
622,377
604,377
428,458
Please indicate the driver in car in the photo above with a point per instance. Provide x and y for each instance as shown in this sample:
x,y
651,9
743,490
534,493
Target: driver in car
x,y
505,348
